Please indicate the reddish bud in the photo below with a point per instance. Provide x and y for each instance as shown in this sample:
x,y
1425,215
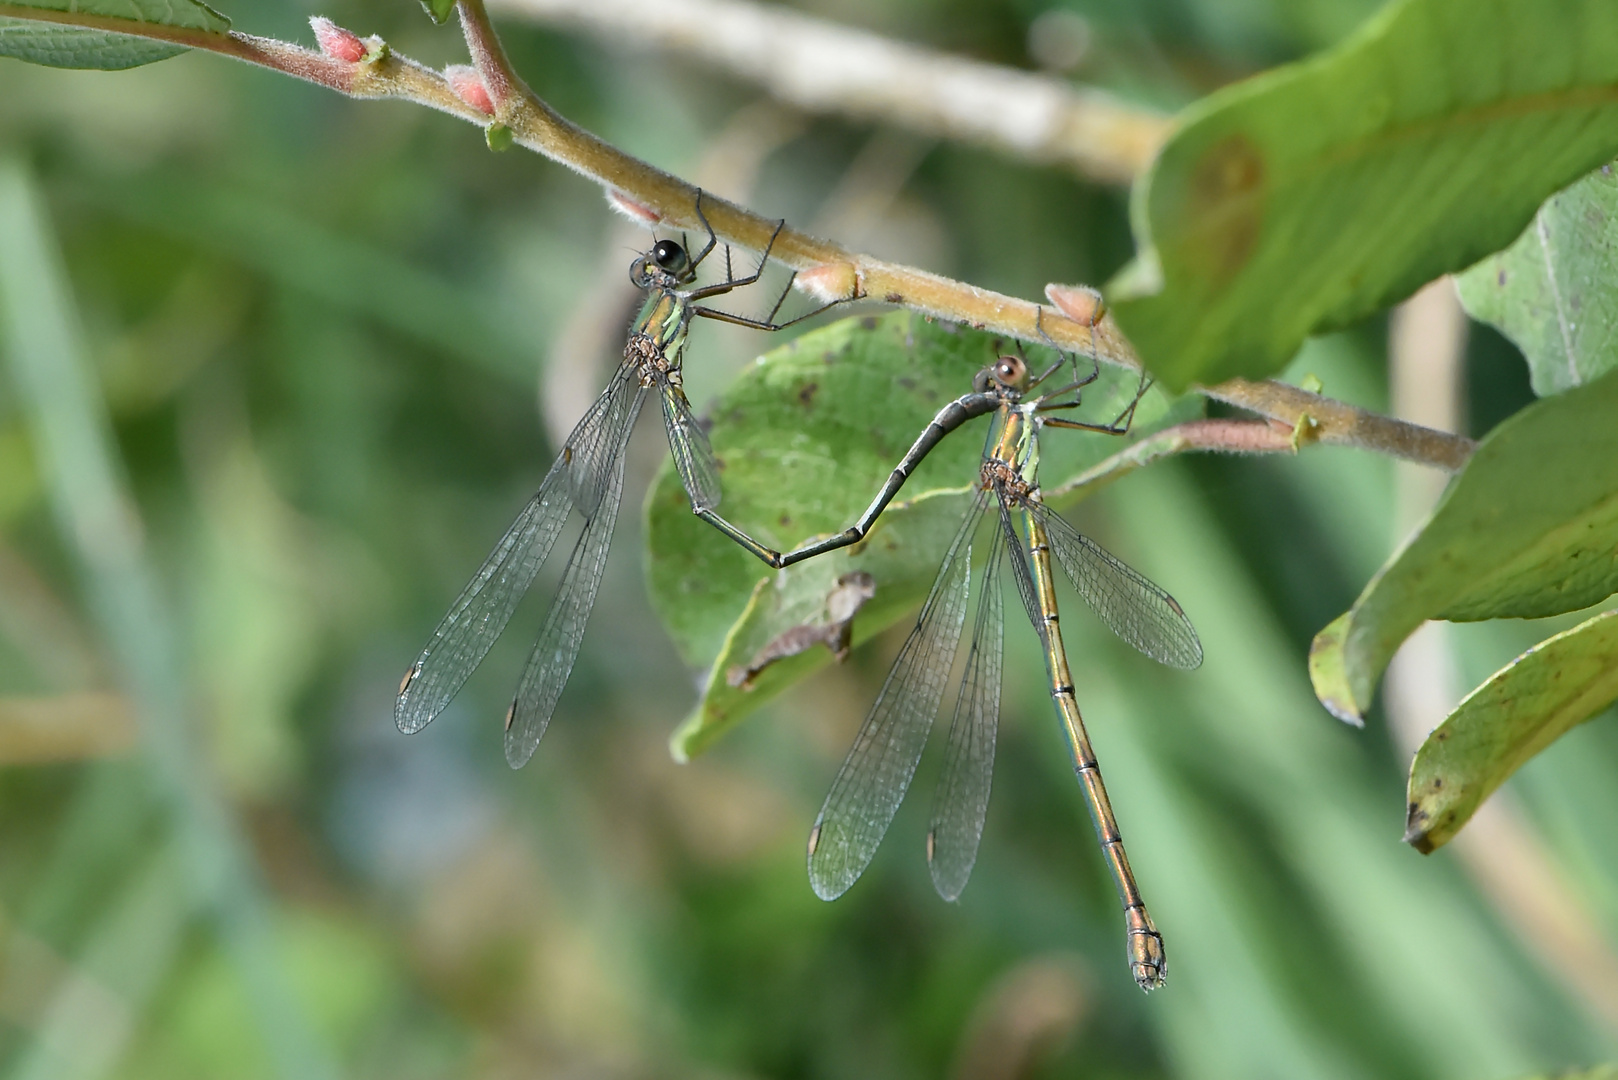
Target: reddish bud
x,y
337,43
629,208
1081,303
468,86
831,282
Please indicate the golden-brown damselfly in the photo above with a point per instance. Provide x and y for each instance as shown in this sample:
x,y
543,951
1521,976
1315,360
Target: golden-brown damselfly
x,y
873,779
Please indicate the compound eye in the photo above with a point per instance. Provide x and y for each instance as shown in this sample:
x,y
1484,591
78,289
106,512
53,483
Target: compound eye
x,y
1009,371
982,380
669,255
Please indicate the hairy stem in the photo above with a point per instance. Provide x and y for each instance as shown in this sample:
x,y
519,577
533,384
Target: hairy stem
x,y
1197,436
1322,419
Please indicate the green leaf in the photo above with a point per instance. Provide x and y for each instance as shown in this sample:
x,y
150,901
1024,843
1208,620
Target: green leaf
x,y
1522,708
804,438
1529,528
1552,291
439,10
71,47
1599,1072
99,34
1315,194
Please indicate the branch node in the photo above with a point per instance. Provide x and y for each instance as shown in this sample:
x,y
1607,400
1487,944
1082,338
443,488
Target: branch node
x,y
831,282
468,84
637,212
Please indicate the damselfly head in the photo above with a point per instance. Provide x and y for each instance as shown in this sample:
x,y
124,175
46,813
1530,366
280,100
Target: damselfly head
x,y
671,257
666,264
1007,372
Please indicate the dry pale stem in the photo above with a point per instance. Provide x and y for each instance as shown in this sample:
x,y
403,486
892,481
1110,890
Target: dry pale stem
x,y
820,66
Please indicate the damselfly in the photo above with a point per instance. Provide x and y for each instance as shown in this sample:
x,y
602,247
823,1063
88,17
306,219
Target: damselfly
x,y
873,779
588,475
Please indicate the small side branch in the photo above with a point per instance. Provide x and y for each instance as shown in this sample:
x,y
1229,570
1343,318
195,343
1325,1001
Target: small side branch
x,y
1197,436
489,57
1321,419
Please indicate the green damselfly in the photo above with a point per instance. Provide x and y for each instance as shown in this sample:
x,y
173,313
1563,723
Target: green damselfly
x,y
874,778
587,476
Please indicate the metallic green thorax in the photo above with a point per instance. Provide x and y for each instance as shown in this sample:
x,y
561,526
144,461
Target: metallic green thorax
x,y
662,323
1014,441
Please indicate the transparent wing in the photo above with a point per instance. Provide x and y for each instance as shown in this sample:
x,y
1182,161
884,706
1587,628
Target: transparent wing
x,y
1133,608
962,798
693,456
466,633
554,653
1021,571
877,772
594,451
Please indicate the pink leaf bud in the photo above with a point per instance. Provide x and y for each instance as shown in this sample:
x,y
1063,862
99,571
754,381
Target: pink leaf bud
x,y
337,43
1081,303
629,208
468,86
831,282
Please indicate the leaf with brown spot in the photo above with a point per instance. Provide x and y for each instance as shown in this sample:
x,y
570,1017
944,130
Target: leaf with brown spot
x,y
1305,198
833,628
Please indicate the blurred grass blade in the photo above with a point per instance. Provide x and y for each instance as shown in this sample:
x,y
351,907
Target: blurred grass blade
x,y
95,1008
1524,707
1308,197
805,436
297,252
87,34
1529,528
1292,854
1552,292
66,727
96,515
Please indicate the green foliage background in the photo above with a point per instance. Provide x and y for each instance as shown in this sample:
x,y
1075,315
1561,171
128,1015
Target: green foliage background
x,y
319,329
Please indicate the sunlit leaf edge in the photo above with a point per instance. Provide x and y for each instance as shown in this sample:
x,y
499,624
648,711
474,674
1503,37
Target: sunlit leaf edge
x,y
1516,713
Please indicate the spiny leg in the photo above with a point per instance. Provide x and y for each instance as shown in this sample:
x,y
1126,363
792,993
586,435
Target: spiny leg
x,y
765,324
1079,382
730,282
712,239
1120,424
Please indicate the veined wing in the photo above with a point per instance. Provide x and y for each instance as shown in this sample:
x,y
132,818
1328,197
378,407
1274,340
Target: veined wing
x,y
962,799
1133,608
1021,571
594,449
466,633
693,456
874,777
554,653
